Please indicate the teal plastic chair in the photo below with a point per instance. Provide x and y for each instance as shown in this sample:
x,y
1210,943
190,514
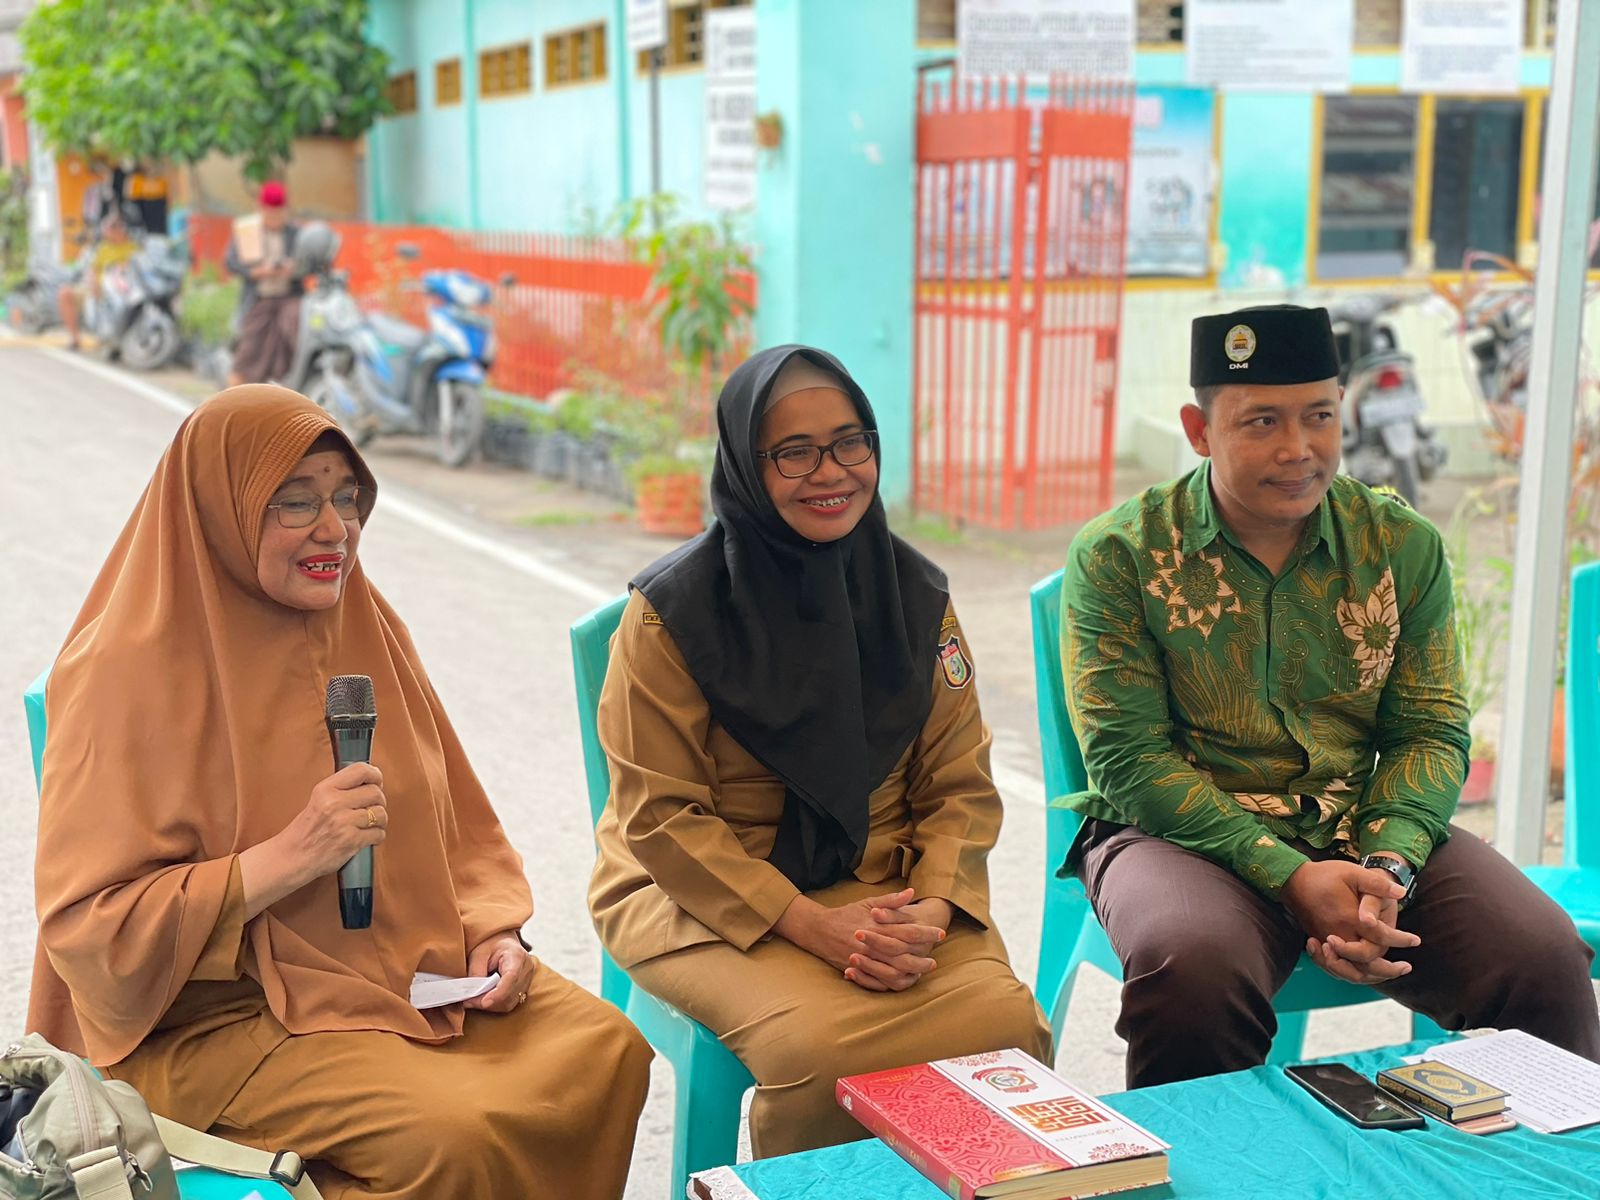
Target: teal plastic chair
x,y
710,1080
201,1183
1575,884
1071,935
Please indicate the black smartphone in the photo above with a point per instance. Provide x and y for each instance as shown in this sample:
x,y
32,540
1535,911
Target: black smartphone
x,y
1354,1097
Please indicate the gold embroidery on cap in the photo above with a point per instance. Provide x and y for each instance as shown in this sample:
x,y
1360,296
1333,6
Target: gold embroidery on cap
x,y
1240,343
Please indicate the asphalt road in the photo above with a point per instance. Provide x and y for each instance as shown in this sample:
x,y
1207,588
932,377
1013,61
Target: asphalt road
x,y
489,593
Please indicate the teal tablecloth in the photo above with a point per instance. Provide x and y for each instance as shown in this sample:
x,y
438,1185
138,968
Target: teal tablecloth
x,y
1255,1134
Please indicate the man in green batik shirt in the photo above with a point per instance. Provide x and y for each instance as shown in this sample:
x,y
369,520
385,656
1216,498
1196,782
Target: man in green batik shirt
x,y
1261,666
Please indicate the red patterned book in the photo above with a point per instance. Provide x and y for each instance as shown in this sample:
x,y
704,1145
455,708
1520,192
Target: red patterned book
x,y
1003,1124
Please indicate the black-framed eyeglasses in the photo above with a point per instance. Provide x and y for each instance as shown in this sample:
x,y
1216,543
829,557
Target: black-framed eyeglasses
x,y
796,462
298,512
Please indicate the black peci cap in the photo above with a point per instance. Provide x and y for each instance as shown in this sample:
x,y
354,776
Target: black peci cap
x,y
1272,344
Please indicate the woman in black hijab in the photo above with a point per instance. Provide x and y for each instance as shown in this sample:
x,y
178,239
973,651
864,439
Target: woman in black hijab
x,y
801,807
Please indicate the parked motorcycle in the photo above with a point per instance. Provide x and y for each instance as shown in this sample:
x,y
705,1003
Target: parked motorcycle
x,y
1386,442
429,382
132,315
34,305
325,345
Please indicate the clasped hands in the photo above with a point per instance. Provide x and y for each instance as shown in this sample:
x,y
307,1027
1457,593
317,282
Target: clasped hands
x,y
882,943
1350,913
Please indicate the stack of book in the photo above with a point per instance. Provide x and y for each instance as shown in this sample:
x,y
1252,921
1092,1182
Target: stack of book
x,y
1003,1124
1443,1092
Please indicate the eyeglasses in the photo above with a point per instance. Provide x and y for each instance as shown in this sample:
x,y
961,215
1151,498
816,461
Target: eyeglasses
x,y
298,513
796,462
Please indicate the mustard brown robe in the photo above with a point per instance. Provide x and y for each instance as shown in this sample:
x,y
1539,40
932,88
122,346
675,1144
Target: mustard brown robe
x,y
185,727
684,899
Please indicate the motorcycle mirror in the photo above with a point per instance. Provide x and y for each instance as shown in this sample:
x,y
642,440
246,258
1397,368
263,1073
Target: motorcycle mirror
x,y
508,280
408,251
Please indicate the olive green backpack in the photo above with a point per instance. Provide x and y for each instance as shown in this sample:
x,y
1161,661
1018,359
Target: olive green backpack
x,y
67,1134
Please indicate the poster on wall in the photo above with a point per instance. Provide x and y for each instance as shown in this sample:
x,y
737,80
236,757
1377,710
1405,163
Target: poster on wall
x,y
1092,38
1269,45
1170,182
730,84
1461,46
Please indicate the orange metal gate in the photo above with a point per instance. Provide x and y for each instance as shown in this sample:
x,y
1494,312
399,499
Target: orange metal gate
x,y
1021,215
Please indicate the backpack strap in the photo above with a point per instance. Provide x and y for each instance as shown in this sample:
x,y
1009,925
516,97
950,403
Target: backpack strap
x,y
99,1174
205,1150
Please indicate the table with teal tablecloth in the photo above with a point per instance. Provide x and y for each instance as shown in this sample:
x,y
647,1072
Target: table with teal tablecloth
x,y
1259,1135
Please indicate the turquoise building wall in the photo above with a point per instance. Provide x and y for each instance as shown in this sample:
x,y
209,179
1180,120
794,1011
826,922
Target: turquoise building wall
x,y
833,222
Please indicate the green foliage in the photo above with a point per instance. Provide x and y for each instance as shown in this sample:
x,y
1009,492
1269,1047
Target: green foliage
x,y
656,432
175,80
13,228
1482,601
206,313
701,278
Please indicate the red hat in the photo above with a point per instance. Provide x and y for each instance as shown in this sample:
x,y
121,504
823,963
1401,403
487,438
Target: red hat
x,y
273,195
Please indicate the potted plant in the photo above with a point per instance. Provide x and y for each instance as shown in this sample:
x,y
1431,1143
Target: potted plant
x,y
1482,597
654,396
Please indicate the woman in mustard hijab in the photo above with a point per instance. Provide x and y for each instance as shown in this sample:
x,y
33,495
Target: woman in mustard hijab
x,y
795,848
191,826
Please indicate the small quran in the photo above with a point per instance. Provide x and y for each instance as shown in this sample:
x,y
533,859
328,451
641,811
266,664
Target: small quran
x,y
1443,1091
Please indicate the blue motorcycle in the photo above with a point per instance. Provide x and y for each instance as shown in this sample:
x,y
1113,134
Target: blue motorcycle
x,y
401,379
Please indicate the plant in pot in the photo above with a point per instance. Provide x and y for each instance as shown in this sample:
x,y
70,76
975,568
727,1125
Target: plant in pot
x,y
661,434
1482,601
696,317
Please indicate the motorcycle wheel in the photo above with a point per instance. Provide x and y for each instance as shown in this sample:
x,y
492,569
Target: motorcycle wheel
x,y
460,421
151,341
1407,479
337,398
25,308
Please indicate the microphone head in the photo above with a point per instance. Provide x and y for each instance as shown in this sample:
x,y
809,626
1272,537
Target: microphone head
x,y
350,702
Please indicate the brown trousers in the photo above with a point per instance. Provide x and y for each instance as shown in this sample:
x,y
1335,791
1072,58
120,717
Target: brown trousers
x,y
540,1101
798,1024
1203,952
264,350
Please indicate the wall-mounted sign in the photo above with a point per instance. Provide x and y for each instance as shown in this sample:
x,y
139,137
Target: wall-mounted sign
x,y
1085,38
730,84
1461,46
1269,45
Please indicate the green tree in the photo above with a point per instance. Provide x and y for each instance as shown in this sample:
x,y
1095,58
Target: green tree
x,y
175,80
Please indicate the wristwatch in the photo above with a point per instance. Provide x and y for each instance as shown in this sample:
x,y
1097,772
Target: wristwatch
x,y
1403,872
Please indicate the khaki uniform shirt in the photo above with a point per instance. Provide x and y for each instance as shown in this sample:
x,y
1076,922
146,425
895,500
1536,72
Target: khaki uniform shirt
x,y
683,842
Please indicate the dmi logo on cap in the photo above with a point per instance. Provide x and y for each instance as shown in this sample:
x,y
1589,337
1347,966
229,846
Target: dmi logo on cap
x,y
1240,343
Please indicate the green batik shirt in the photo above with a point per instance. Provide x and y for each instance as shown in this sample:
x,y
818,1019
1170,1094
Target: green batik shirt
x,y
1228,711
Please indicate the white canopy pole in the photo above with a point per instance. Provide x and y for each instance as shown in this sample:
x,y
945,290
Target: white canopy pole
x,y
1540,580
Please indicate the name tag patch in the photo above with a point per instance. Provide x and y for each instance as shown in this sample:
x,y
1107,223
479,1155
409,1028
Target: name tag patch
x,y
955,664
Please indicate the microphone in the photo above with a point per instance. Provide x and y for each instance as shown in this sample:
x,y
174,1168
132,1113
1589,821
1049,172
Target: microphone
x,y
352,715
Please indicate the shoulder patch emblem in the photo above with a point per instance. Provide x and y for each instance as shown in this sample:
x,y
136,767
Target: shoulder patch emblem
x,y
651,618
957,667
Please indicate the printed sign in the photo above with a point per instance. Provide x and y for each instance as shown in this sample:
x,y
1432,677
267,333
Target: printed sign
x,y
647,25
730,84
1041,37
1170,187
1269,45
1461,46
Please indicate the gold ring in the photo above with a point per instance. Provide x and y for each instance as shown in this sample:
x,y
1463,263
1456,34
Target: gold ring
x,y
371,820
521,996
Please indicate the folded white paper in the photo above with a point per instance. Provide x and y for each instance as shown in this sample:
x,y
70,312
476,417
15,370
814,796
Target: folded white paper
x,y
435,991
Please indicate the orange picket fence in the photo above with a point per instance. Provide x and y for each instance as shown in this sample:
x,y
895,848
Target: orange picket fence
x,y
567,302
